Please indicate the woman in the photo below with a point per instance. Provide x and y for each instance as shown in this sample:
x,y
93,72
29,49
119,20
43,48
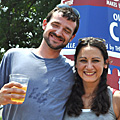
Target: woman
x,y
91,98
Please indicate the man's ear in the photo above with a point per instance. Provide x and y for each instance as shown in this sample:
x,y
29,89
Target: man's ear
x,y
44,24
72,37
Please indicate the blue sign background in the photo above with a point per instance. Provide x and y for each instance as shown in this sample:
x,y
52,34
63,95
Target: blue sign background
x,y
95,21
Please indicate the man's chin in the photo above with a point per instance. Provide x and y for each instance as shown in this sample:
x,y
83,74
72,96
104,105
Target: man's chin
x,y
56,47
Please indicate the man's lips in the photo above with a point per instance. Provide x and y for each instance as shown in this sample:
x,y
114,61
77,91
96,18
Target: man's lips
x,y
58,38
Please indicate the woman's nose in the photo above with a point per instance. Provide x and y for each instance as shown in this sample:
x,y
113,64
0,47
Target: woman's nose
x,y
89,65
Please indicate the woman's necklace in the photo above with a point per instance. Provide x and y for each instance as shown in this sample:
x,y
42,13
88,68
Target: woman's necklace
x,y
87,100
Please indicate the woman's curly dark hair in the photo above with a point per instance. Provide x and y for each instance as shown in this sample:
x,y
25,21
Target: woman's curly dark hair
x,y
101,102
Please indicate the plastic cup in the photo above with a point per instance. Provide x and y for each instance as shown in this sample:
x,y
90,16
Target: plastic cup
x,y
23,80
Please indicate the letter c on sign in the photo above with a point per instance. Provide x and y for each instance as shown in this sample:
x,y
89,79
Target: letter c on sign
x,y
112,25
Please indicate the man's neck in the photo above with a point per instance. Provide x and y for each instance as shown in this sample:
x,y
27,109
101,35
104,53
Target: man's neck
x,y
45,51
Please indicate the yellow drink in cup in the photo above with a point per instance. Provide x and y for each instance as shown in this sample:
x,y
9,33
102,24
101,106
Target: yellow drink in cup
x,y
19,99
23,80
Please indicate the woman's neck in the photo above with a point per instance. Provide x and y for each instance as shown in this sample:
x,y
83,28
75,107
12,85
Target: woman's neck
x,y
89,94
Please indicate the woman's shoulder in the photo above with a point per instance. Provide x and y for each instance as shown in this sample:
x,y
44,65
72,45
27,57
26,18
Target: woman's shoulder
x,y
116,103
116,96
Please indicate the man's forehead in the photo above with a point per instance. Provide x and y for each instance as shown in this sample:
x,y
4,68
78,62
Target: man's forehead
x,y
57,13
58,17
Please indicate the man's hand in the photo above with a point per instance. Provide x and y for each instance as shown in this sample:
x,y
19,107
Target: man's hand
x,y
6,90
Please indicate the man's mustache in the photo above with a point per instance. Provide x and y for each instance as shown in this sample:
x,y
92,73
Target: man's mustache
x,y
57,36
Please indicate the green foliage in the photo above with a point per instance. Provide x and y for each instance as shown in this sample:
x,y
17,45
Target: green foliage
x,y
21,22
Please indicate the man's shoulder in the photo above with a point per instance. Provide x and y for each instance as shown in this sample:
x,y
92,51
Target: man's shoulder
x,y
17,50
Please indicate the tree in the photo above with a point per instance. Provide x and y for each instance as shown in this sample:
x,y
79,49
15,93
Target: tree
x,y
21,22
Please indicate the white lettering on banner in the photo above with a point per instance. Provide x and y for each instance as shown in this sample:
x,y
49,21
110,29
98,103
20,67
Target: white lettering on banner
x,y
117,48
70,45
107,46
113,48
68,2
116,0
113,4
116,17
119,5
112,25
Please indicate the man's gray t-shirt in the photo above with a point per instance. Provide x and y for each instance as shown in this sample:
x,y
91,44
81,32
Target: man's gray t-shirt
x,y
48,89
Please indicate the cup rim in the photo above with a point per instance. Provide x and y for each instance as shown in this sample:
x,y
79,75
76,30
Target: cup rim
x,y
22,75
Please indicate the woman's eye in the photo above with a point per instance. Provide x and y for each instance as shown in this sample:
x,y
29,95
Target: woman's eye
x,y
83,61
95,60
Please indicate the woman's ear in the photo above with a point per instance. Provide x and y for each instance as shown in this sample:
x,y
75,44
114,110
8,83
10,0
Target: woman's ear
x,y
44,24
106,64
76,66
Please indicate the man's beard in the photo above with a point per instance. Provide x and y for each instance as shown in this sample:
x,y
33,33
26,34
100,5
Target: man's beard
x,y
50,45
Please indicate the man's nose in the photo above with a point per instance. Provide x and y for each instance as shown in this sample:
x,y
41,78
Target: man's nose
x,y
59,32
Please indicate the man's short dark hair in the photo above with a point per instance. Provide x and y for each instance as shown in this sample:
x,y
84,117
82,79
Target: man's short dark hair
x,y
68,13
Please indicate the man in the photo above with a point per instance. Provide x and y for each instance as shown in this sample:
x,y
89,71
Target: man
x,y
51,77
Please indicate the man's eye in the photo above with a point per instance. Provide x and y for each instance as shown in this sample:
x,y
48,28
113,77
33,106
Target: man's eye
x,y
54,25
67,31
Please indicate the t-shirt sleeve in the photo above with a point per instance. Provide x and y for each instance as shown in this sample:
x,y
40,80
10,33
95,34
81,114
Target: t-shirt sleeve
x,y
4,69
